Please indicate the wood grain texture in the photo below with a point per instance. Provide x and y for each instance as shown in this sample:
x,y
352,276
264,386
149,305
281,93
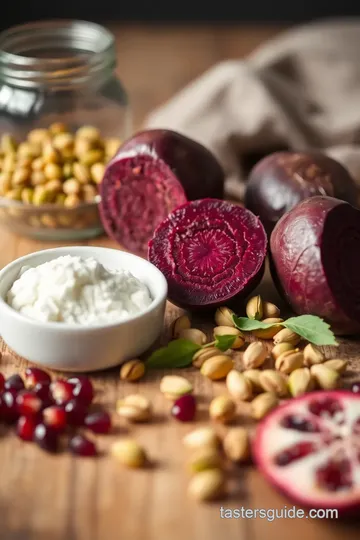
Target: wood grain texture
x,y
46,497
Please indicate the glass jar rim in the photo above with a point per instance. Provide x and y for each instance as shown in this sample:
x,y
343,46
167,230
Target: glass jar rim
x,y
90,52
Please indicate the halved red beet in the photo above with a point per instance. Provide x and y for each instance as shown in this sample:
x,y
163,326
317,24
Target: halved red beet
x,y
283,179
315,255
309,448
154,172
211,252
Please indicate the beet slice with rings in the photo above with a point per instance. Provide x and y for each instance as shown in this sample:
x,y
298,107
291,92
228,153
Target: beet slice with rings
x,y
211,252
315,252
154,172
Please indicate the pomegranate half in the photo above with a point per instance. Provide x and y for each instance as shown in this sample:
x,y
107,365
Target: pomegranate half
x,y
309,448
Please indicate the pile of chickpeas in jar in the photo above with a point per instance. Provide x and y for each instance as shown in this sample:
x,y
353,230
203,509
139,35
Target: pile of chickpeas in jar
x,y
54,165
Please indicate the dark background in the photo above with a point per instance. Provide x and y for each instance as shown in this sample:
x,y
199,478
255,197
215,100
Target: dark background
x,y
292,11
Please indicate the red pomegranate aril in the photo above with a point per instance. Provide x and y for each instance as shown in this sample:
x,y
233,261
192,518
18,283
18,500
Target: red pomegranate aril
x,y
46,437
55,417
184,408
14,382
334,475
295,452
355,387
9,410
325,407
82,389
62,391
75,413
25,428
81,446
299,423
98,422
28,403
2,382
34,376
42,390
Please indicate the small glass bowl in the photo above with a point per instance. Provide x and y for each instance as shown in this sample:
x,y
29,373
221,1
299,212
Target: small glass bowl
x,y
51,221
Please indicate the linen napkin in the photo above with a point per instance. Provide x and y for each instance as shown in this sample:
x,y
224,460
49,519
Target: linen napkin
x,y
300,90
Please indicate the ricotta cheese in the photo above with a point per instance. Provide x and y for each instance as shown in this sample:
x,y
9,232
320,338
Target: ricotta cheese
x,y
76,290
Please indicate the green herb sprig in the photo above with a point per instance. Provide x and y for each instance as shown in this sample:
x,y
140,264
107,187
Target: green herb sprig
x,y
179,352
310,327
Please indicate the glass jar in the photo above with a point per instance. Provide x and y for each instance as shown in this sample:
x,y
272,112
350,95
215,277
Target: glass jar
x,y
59,71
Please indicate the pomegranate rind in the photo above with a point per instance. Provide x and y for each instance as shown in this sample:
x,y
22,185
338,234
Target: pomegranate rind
x,y
315,256
154,172
267,437
211,252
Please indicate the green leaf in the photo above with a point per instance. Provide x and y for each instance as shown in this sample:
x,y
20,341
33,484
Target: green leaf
x,y
312,328
309,327
177,354
224,342
248,325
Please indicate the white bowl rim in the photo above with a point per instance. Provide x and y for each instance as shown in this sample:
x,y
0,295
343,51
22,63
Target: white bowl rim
x,y
69,327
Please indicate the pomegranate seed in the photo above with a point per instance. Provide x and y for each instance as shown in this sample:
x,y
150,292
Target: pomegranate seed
x,y
9,410
62,391
75,413
46,437
295,452
25,428
42,390
83,389
325,406
299,423
2,382
335,475
81,446
98,422
55,417
184,408
34,376
28,403
14,382
355,387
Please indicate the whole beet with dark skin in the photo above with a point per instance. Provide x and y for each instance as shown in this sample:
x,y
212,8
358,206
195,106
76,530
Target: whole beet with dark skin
x,y
283,179
315,260
154,172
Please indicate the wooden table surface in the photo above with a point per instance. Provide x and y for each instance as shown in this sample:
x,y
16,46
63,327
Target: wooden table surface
x,y
44,497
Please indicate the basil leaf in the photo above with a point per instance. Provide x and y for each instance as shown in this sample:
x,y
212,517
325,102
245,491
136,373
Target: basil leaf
x,y
224,342
247,325
177,354
311,328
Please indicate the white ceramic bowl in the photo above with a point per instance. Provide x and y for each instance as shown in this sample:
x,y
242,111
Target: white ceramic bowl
x,y
83,348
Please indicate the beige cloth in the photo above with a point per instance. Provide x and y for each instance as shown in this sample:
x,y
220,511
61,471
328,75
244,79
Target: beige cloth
x,y
300,90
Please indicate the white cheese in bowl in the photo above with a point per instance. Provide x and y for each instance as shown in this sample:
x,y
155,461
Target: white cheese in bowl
x,y
78,290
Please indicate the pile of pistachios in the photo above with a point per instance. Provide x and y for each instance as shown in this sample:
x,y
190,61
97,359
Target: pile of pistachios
x,y
54,165
266,376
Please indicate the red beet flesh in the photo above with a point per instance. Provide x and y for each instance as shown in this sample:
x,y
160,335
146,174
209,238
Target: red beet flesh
x,y
211,252
307,449
154,172
283,179
315,250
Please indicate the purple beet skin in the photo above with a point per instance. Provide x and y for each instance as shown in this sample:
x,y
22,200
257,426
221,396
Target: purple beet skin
x,y
315,252
283,179
211,252
154,172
